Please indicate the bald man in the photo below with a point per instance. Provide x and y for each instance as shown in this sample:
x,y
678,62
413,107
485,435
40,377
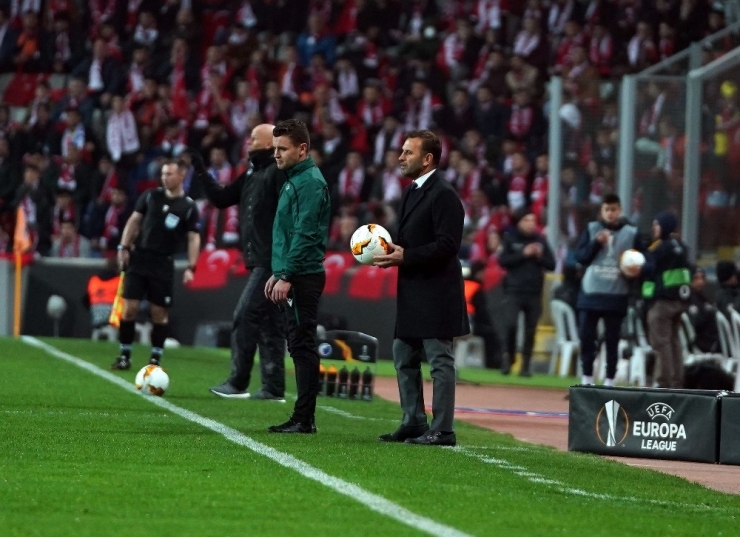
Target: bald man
x,y
257,320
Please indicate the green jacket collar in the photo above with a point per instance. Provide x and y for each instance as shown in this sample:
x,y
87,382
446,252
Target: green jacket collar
x,y
300,167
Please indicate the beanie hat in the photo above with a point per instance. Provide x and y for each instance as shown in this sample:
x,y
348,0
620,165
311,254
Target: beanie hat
x,y
668,223
725,270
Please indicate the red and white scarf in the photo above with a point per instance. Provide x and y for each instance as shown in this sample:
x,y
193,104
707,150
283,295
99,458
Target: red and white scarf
x,y
121,135
132,12
371,114
489,14
384,141
111,232
350,183
517,191
67,178
526,43
69,248
59,215
393,184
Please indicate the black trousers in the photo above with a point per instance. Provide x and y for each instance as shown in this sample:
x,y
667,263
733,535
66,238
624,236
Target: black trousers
x,y
258,323
301,318
531,305
588,321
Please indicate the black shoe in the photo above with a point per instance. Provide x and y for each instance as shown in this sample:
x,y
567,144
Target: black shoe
x,y
153,360
404,432
525,373
434,439
122,363
292,426
505,370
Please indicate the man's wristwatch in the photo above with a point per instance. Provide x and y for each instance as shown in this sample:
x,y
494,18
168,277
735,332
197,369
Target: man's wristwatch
x,y
285,277
121,248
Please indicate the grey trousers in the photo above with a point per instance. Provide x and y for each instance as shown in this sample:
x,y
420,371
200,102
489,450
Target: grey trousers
x,y
407,357
664,323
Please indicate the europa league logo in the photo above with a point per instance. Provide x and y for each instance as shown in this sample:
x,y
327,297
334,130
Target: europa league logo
x,y
617,424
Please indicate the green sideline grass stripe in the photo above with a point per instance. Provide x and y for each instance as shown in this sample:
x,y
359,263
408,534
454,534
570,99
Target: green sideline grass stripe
x,y
372,501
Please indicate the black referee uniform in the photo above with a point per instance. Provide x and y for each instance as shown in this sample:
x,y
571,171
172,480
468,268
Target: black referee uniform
x,y
166,222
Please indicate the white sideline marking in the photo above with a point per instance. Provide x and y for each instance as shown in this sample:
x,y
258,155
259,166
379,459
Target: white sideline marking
x,y
562,487
368,499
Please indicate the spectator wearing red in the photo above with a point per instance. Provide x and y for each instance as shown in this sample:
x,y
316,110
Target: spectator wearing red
x,y
291,76
421,105
601,49
214,100
122,137
389,182
182,74
529,42
667,41
242,108
540,186
69,243
222,225
641,49
352,178
518,182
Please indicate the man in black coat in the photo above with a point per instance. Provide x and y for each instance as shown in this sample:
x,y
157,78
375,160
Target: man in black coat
x,y
430,299
257,321
525,256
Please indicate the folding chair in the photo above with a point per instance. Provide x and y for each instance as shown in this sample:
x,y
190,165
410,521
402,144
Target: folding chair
x,y
567,343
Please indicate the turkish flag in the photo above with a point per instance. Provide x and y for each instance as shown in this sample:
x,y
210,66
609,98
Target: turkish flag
x,y
213,268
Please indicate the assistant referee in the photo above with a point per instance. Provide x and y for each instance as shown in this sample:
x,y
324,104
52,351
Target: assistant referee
x,y
162,218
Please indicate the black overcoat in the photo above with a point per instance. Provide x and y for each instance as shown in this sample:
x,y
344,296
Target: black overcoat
x,y
431,300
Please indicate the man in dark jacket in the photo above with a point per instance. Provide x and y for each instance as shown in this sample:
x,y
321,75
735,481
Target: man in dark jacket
x,y
668,287
728,294
430,300
703,314
299,236
605,289
525,256
257,321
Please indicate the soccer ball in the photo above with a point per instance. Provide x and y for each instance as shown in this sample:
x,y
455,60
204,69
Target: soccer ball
x,y
368,241
152,380
630,262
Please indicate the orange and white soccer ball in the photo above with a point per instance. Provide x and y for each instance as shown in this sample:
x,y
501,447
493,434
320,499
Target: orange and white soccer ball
x,y
152,380
368,241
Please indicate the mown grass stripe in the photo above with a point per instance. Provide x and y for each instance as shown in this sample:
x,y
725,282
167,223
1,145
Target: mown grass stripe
x,y
372,501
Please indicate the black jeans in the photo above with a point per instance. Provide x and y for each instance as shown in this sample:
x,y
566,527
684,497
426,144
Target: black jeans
x,y
588,321
531,305
301,317
258,323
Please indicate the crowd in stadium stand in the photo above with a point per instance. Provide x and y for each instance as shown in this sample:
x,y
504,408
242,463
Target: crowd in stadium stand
x,y
144,79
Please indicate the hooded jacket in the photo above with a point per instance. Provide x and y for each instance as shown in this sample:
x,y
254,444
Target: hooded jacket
x,y
670,276
256,191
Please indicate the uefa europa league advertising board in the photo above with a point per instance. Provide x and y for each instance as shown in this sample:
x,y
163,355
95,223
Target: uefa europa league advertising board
x,y
648,423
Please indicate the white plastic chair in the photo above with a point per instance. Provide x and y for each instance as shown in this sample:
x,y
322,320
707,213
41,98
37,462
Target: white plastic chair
x,y
727,342
469,351
567,343
691,354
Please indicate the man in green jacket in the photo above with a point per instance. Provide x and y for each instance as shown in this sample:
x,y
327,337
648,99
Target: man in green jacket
x,y
299,236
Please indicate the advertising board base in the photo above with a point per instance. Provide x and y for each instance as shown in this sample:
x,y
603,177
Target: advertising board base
x,y
645,422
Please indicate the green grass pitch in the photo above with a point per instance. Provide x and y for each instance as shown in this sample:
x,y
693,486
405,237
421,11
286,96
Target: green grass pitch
x,y
80,455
